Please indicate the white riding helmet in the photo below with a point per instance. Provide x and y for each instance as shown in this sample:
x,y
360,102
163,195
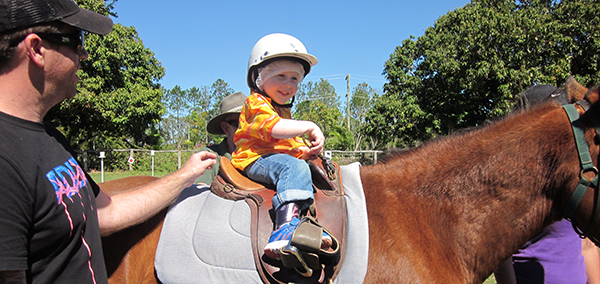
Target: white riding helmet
x,y
276,46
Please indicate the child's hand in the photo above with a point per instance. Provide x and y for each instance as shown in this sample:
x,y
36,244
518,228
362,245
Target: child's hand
x,y
317,140
288,128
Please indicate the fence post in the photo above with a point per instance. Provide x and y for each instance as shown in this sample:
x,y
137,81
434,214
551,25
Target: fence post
x,y
179,159
152,156
85,167
131,156
101,166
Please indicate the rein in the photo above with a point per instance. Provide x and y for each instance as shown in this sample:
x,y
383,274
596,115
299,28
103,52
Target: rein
x,y
587,165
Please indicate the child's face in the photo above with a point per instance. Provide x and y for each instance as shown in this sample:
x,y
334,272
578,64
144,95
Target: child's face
x,y
282,87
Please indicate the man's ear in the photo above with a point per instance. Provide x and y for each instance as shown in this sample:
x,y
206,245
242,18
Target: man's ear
x,y
224,126
34,48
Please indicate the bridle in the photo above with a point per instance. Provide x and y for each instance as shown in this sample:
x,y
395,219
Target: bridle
x,y
586,163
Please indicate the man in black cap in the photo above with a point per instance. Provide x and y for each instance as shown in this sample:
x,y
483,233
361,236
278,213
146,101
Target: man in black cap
x,y
52,212
226,123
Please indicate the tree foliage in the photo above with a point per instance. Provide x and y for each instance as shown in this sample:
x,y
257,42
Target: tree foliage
x,y
319,103
119,99
470,66
363,98
188,113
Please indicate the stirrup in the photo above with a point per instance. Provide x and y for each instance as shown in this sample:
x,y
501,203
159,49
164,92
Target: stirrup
x,y
307,238
292,258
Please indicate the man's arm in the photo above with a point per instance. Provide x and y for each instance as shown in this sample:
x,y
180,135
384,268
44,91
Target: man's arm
x,y
13,277
129,208
591,261
506,273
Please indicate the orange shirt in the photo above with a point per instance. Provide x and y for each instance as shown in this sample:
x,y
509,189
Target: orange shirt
x,y
253,137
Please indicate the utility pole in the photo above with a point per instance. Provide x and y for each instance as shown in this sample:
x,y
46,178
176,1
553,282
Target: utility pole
x,y
348,97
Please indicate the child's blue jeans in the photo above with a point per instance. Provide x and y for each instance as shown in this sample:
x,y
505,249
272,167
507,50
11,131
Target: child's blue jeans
x,y
290,175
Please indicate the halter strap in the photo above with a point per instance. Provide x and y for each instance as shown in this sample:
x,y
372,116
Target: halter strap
x,y
586,105
273,102
587,165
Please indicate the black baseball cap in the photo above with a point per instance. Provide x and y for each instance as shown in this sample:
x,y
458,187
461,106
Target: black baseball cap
x,y
541,93
15,14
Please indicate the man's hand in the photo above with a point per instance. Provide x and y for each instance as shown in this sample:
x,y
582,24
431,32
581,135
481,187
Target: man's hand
x,y
198,163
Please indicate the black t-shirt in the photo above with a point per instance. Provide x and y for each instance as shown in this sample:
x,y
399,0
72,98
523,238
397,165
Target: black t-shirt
x,y
48,220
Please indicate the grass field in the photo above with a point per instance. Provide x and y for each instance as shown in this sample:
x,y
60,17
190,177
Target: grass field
x,y
117,175
490,280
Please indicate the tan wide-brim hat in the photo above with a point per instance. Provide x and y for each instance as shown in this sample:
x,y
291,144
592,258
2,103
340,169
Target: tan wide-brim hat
x,y
230,104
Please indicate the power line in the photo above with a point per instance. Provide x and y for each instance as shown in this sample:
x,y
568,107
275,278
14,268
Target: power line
x,y
343,77
366,76
318,98
333,75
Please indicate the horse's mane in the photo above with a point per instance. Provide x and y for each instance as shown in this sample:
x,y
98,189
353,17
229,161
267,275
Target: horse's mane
x,y
395,153
392,154
398,153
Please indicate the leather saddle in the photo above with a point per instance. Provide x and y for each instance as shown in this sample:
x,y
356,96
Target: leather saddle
x,y
301,263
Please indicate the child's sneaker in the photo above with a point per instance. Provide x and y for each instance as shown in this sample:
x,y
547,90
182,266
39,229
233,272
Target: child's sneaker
x,y
282,237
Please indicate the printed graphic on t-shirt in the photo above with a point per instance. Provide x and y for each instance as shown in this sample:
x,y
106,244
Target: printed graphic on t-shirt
x,y
67,179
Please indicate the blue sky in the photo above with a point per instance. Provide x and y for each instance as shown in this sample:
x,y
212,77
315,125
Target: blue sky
x,y
199,42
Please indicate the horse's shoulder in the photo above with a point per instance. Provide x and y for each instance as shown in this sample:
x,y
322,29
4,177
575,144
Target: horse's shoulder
x,y
125,184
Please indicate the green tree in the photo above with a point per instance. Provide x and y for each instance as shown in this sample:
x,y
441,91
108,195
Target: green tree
x,y
218,91
363,97
188,113
471,65
321,91
318,102
119,99
394,123
175,129
197,119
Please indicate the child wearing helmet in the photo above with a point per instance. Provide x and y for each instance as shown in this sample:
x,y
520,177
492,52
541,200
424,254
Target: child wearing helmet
x,y
269,148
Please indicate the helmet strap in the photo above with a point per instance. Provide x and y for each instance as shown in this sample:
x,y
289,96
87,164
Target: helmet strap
x,y
273,102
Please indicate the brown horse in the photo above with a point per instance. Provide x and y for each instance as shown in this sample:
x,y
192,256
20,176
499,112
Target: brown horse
x,y
452,210
129,253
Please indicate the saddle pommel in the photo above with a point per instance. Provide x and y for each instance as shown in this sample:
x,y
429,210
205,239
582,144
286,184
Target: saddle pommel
x,y
233,176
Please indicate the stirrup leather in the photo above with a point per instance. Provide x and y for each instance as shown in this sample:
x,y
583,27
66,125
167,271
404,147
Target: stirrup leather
x,y
304,253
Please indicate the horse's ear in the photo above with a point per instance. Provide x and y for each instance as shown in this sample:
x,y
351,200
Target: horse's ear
x,y
575,91
593,94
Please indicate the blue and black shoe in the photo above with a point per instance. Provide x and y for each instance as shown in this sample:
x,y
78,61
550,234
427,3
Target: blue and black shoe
x,y
282,237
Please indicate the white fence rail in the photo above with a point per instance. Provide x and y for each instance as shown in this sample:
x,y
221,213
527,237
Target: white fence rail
x,y
120,160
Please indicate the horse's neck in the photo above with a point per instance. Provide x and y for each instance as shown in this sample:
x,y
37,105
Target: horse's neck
x,y
484,194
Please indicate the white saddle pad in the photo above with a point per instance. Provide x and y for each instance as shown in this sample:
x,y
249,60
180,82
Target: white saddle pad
x,y
206,239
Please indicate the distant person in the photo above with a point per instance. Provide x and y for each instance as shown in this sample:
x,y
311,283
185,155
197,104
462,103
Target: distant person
x,y
226,123
557,255
53,214
268,144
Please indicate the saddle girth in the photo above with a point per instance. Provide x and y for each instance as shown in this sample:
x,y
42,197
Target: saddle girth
x,y
331,216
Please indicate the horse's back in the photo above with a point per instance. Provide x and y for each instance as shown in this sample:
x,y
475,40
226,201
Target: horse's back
x,y
125,184
129,253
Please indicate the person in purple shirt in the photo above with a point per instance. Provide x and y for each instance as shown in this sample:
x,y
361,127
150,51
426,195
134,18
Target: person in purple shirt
x,y
557,255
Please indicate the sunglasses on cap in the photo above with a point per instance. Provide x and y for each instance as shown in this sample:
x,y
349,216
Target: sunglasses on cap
x,y
74,40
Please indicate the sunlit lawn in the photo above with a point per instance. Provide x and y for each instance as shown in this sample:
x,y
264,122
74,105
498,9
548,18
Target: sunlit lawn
x,y
490,280
117,175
